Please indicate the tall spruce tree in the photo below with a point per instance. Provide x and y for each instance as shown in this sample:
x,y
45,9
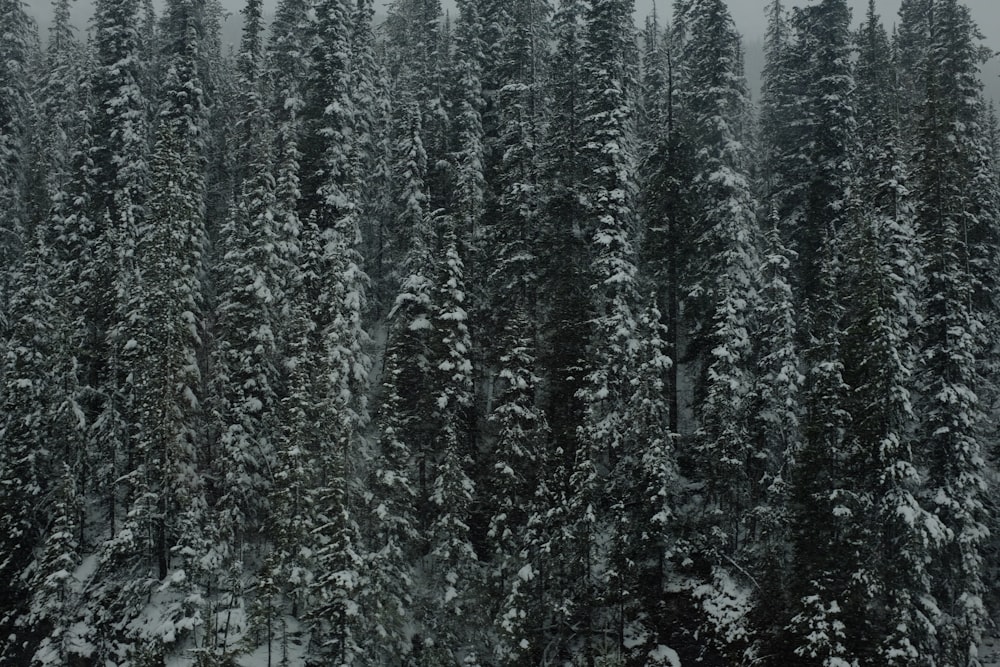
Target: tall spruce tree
x,y
248,312
948,153
821,492
14,118
723,289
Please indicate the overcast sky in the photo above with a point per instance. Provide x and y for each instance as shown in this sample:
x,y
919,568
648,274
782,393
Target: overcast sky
x,y
748,14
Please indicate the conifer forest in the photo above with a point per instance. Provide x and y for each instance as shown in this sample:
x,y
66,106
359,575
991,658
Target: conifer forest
x,y
517,335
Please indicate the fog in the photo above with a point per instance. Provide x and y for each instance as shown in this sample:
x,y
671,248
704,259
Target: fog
x,y
749,16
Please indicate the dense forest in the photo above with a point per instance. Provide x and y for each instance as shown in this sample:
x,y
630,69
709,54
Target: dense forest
x,y
516,337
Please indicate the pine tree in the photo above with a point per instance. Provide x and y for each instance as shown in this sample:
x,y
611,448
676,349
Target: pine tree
x,y
520,461
417,38
328,114
777,122
513,75
822,578
400,470
451,560
331,195
562,246
715,96
823,43
391,533
14,113
165,534
649,525
775,403
948,151
121,143
54,595
114,194
668,207
822,492
59,102
251,296
340,391
39,429
609,191
911,44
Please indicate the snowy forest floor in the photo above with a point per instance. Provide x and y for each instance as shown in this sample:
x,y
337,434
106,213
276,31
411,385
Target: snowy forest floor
x,y
990,652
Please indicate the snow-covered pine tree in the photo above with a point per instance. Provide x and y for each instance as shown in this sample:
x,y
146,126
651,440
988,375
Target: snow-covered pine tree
x,y
563,298
246,363
55,589
291,503
330,199
667,171
450,571
515,476
823,578
121,150
564,309
40,429
414,35
822,57
113,194
400,466
328,114
598,489
340,413
948,150
294,501
391,529
776,127
649,522
824,563
286,79
164,537
250,281
14,118
775,406
888,311
450,568
58,100
880,321
723,295
654,101
516,498
371,146
911,44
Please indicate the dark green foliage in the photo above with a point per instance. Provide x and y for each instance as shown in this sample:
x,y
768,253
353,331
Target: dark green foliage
x,y
637,378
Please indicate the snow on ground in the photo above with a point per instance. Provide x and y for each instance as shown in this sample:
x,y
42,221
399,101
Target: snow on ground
x,y
990,652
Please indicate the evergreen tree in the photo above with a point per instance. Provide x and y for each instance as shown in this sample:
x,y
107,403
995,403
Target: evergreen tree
x,y
39,429
55,598
911,44
777,118
822,54
248,315
516,500
775,403
14,114
947,157
563,257
723,291
59,101
596,503
114,192
392,531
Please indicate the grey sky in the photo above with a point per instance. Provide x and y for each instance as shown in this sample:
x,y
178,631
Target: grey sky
x,y
748,14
